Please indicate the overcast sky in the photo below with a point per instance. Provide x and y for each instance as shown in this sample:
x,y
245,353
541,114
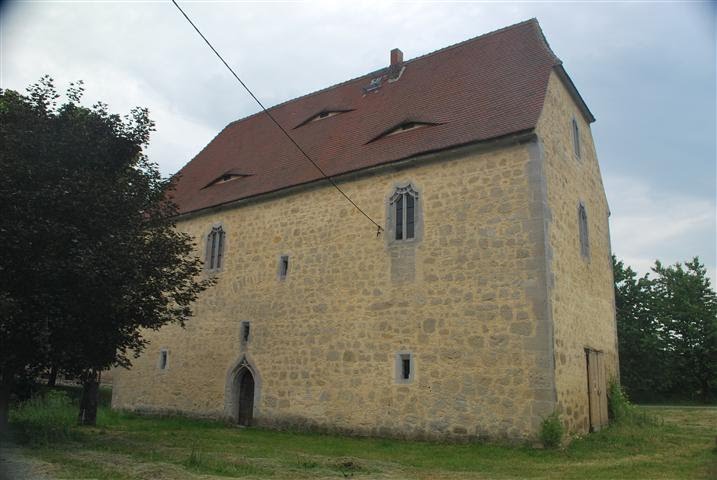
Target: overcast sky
x,y
646,70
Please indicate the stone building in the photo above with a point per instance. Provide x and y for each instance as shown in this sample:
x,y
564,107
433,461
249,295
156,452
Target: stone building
x,y
484,305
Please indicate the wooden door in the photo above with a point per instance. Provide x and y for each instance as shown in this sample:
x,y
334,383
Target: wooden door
x,y
246,398
597,394
602,388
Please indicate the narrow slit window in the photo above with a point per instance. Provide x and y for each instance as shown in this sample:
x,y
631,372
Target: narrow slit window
x,y
163,359
584,234
245,332
283,267
404,368
576,138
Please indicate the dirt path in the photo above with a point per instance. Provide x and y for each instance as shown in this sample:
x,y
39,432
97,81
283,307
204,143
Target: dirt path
x,y
16,466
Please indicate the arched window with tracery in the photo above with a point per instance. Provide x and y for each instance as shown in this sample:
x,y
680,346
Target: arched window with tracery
x,y
404,207
215,248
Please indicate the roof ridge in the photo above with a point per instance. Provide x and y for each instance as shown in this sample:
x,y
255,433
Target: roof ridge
x,y
458,44
375,72
532,20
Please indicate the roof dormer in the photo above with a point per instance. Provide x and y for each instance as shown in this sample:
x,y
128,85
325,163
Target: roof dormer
x,y
405,126
225,177
324,114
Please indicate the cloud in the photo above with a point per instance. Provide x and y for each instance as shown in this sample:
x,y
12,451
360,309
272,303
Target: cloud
x,y
648,224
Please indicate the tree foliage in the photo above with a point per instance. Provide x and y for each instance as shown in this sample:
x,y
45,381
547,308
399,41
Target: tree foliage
x,y
90,254
667,332
639,337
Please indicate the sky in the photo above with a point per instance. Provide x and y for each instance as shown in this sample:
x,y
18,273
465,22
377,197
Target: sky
x,y
645,69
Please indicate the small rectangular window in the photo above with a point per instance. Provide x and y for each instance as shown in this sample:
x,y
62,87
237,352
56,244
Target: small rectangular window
x,y
163,359
404,367
245,328
283,267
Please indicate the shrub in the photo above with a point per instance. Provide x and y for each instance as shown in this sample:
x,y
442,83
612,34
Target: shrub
x,y
619,407
621,411
551,431
45,419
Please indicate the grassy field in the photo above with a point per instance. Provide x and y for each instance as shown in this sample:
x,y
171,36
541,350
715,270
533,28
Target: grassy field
x,y
674,442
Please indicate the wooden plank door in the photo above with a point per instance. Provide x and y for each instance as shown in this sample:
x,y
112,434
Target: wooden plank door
x,y
602,388
597,392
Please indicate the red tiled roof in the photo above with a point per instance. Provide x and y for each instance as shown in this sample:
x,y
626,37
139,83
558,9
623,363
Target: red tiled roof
x,y
480,89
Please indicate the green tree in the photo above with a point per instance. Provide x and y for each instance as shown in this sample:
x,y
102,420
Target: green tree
x,y
686,307
641,340
90,254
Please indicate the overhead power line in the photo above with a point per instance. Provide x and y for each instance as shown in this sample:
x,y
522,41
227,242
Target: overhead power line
x,y
327,177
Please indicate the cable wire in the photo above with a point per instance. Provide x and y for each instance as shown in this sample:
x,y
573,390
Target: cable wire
x,y
327,177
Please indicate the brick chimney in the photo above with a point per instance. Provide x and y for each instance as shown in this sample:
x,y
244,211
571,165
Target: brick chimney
x,y
396,68
396,57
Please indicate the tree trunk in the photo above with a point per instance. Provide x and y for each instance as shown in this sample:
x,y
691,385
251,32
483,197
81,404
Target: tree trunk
x,y
4,406
90,399
52,379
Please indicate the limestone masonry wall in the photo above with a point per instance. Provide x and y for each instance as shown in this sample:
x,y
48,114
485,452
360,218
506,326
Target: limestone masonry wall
x,y
581,291
467,299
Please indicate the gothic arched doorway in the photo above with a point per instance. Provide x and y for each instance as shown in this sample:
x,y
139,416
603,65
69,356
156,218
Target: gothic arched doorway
x,y
245,381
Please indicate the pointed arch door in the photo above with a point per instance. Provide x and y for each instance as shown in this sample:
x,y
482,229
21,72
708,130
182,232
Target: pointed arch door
x,y
246,397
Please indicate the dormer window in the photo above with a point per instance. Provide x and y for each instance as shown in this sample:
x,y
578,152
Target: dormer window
x,y
402,128
323,114
225,177
406,127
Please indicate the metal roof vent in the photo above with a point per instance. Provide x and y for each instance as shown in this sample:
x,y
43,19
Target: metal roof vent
x,y
373,86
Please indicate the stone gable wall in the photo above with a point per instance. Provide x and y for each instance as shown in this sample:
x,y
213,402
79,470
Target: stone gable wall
x,y
467,299
581,289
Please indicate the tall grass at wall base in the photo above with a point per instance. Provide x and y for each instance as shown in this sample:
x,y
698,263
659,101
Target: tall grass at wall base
x,y
45,419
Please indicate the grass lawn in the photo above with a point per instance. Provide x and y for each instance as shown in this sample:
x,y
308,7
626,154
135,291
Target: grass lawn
x,y
679,444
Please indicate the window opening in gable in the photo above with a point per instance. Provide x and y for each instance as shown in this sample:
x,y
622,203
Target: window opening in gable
x,y
576,138
283,267
583,226
403,205
215,248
